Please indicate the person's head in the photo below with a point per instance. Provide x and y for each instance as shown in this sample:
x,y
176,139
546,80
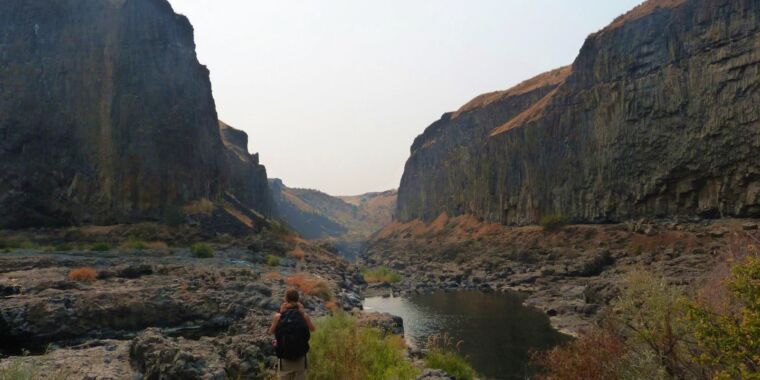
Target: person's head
x,y
292,296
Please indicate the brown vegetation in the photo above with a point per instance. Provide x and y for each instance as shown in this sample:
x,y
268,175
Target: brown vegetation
x,y
84,274
310,285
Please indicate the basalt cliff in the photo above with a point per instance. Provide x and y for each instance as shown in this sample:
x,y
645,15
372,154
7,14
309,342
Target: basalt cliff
x,y
656,117
106,116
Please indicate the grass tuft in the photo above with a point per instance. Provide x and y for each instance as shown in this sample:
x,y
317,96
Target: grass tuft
x,y
202,251
273,261
340,349
100,247
553,223
380,275
310,285
443,354
84,274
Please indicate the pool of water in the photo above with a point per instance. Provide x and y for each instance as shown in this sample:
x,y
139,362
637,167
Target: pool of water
x,y
496,330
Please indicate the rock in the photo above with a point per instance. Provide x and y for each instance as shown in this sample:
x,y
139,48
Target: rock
x,y
717,233
618,135
387,323
159,357
435,374
96,135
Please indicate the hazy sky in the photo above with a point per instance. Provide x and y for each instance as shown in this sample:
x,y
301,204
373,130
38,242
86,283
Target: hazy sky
x,y
332,93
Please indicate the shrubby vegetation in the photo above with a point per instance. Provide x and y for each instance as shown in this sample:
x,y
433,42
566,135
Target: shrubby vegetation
x,y
380,274
101,247
444,354
553,222
340,349
655,331
202,250
85,274
311,285
273,260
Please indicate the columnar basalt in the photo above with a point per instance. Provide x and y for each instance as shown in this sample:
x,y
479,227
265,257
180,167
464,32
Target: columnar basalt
x,y
656,117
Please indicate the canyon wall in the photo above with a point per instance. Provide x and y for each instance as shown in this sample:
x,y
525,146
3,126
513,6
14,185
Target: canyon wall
x,y
106,115
656,117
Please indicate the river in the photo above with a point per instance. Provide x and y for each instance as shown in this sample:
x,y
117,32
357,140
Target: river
x,y
496,330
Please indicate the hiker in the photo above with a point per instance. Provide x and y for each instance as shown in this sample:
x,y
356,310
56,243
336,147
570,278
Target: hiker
x,y
292,329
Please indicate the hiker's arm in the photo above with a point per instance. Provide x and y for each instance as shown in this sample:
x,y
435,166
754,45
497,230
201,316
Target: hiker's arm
x,y
274,323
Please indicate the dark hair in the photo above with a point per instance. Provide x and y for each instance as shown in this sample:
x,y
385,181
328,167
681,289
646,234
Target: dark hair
x,y
292,295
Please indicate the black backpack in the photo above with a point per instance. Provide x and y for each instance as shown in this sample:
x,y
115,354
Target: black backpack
x,y
292,335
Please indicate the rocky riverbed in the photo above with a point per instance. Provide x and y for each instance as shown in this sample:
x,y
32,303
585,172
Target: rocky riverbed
x,y
156,311
571,273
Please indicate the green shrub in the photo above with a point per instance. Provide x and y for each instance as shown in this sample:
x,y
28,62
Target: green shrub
x,y
730,342
443,354
553,222
273,261
9,245
202,250
18,369
380,274
136,244
342,350
101,247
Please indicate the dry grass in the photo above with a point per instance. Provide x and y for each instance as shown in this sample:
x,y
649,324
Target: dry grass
x,y
202,206
550,78
310,285
84,274
644,9
272,276
595,355
331,305
714,293
298,253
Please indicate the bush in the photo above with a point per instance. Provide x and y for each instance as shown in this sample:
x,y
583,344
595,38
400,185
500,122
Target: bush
x,y
101,247
340,349
553,222
596,354
84,274
310,285
136,244
730,342
273,260
443,354
202,251
380,275
649,313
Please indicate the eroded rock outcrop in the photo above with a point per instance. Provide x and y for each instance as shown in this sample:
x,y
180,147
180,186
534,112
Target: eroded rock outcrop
x,y
657,116
106,115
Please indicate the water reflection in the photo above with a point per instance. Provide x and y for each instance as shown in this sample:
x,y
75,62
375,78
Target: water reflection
x,y
496,330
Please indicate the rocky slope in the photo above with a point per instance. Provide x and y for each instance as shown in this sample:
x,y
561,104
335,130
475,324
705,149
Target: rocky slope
x,y
345,221
656,117
107,116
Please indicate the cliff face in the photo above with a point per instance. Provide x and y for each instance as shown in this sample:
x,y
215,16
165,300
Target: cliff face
x,y
657,116
105,113
247,179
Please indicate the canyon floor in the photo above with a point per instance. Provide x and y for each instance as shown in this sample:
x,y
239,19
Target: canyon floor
x,y
571,273
157,310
